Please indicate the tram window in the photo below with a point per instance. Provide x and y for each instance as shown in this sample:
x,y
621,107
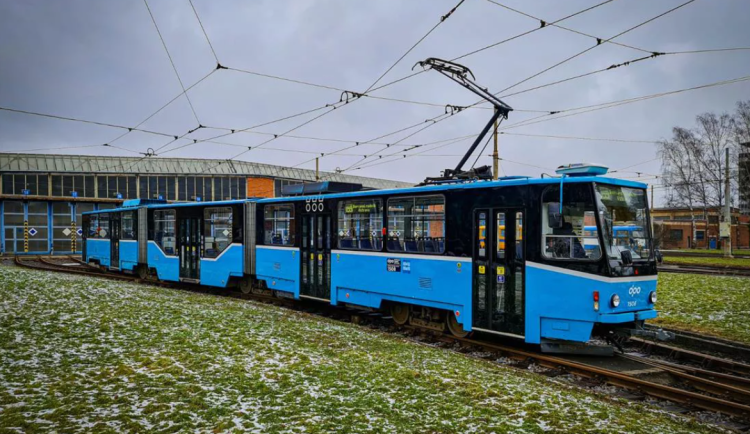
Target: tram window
x,y
519,236
278,225
128,226
164,231
416,224
99,226
500,248
573,233
361,224
217,234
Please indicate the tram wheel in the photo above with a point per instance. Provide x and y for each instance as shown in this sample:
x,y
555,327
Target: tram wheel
x,y
142,272
454,327
246,286
400,313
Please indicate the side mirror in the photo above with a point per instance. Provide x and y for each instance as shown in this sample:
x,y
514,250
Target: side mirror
x,y
659,256
554,219
627,257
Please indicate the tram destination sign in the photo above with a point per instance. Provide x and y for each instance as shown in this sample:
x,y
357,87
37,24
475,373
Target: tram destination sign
x,y
360,208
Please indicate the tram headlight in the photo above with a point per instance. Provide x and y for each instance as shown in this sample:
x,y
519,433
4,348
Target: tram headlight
x,y
652,297
615,300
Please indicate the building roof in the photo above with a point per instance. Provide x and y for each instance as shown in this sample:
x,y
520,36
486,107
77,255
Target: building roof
x,y
11,162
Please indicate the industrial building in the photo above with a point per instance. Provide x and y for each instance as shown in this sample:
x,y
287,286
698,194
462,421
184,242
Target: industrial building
x,y
681,228
42,196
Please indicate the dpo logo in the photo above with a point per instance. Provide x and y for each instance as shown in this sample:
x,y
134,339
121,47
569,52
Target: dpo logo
x,y
634,290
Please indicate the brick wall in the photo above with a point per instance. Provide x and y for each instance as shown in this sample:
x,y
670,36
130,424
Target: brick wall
x,y
260,187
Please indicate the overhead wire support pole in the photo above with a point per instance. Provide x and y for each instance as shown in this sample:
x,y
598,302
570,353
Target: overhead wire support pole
x,y
727,209
460,74
495,155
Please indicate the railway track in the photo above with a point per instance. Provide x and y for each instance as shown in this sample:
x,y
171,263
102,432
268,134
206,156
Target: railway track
x,y
75,267
706,270
701,343
718,385
668,253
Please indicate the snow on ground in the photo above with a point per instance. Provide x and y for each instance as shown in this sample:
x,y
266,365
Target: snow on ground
x,y
84,355
715,305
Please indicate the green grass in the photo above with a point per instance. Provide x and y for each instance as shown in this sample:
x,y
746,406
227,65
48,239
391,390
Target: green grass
x,y
85,355
714,251
718,306
712,262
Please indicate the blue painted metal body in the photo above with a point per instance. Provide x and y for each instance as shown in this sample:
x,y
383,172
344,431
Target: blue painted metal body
x,y
279,268
167,267
443,282
217,271
128,254
99,250
560,302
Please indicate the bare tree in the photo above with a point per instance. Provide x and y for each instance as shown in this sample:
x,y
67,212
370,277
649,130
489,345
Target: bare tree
x,y
694,162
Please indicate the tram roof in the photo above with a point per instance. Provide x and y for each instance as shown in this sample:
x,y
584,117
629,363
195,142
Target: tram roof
x,y
469,185
171,205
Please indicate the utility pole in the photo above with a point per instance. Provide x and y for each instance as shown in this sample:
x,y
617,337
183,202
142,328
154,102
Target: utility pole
x,y
495,157
727,229
652,197
317,169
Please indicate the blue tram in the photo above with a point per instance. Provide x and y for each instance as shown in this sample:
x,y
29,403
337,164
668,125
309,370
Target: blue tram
x,y
542,259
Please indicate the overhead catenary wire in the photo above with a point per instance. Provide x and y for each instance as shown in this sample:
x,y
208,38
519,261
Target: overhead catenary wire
x,y
580,53
171,61
568,29
204,32
596,139
610,104
442,20
602,106
353,95
85,121
185,90
493,45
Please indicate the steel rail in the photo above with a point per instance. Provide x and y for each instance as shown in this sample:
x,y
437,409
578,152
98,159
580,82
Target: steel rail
x,y
706,361
623,380
62,269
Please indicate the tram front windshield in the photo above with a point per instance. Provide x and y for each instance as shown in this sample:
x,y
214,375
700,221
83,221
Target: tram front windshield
x,y
624,221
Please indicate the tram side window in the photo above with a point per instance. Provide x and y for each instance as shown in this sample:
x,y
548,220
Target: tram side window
x,y
164,231
278,225
361,224
217,234
99,226
128,226
416,224
570,232
91,230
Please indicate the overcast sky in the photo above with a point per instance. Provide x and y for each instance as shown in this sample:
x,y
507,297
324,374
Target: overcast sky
x,y
104,61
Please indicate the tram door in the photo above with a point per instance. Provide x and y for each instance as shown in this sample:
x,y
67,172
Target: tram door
x,y
316,256
190,247
499,253
115,233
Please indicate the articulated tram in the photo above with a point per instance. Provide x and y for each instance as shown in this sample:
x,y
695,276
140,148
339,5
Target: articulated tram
x,y
549,260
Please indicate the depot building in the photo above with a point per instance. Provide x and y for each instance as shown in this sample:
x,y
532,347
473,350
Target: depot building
x,y
43,196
